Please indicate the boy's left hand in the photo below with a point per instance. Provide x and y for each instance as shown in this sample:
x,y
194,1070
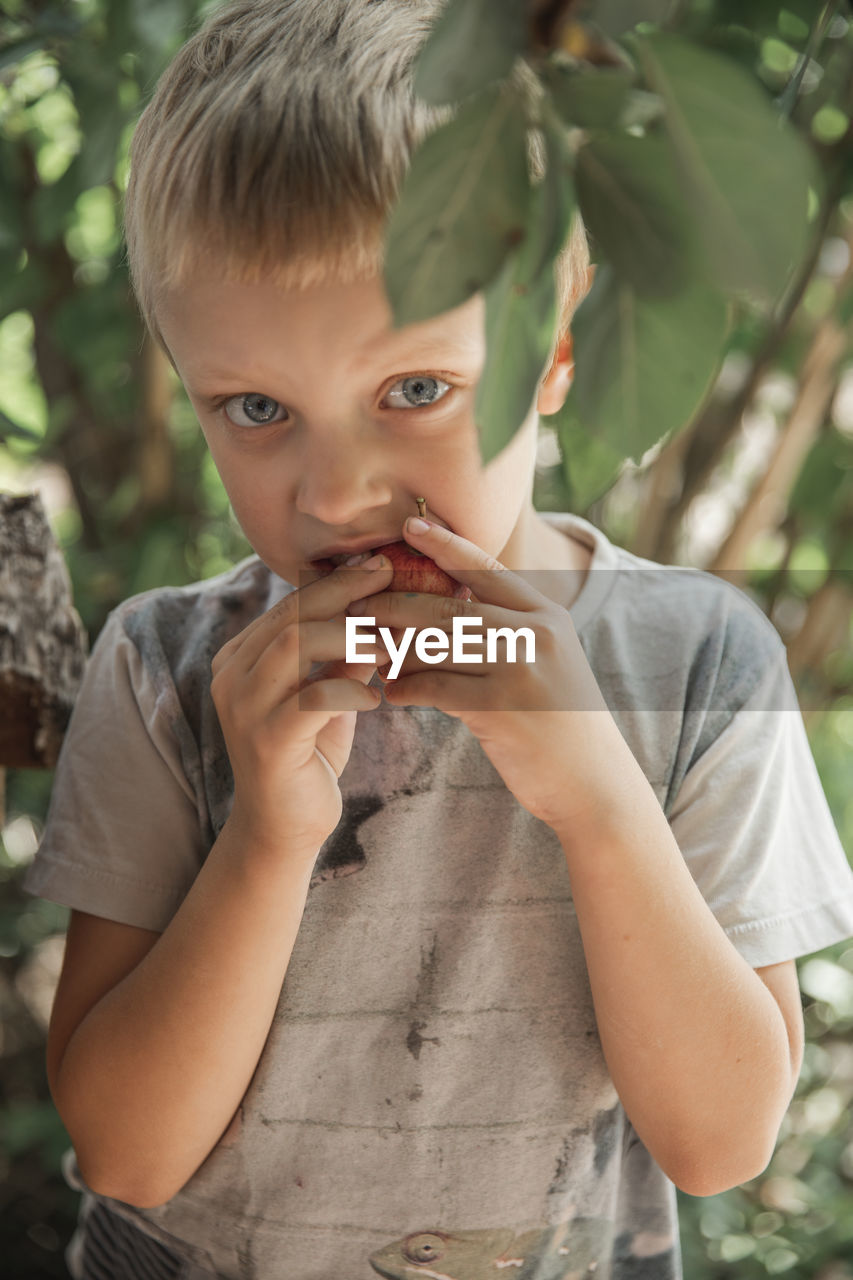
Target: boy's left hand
x,y
539,723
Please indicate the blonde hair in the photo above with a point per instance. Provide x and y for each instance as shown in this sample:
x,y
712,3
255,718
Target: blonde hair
x,y
275,146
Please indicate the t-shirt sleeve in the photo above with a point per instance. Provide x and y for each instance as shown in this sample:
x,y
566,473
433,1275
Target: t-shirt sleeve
x,y
754,826
122,839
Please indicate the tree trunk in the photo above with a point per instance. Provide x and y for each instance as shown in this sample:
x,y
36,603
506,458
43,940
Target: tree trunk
x,y
42,641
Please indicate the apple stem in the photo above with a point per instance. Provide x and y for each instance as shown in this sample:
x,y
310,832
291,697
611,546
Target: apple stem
x,y
421,507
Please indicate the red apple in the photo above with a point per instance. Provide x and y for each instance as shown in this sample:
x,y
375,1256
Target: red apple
x,y
414,571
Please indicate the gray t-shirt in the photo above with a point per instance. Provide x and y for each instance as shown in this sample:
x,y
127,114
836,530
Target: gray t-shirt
x,y
432,1098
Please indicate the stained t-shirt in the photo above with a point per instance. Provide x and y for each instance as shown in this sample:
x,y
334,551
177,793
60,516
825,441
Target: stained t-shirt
x,y
432,1098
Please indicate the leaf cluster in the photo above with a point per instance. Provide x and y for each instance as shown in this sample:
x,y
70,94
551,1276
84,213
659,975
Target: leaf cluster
x,y
699,190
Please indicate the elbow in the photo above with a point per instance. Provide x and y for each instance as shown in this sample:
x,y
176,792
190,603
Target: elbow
x,y
134,1186
709,1172
144,1173
725,1150
710,1181
134,1164
140,1181
139,1195
144,1177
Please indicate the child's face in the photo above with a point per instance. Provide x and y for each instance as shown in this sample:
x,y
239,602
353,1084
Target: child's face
x,y
325,424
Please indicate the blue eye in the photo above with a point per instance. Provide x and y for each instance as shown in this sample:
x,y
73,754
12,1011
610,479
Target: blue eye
x,y
253,410
419,389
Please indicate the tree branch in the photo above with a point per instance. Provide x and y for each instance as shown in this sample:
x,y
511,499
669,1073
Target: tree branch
x,y
720,420
767,503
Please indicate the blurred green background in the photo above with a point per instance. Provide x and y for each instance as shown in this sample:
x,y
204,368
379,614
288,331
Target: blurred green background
x,y
759,487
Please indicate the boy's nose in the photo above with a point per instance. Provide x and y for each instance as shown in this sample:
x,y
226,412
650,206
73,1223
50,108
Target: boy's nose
x,y
337,485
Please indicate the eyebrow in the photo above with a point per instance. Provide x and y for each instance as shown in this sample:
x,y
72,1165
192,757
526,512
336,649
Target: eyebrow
x,y
430,349
429,353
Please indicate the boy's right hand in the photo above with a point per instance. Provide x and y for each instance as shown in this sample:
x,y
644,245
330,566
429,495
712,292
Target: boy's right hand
x,y
288,737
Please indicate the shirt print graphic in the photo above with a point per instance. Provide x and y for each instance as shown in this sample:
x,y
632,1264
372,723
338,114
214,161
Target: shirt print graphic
x,y
580,1247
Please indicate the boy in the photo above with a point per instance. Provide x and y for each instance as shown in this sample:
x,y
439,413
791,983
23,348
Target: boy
x,y
463,984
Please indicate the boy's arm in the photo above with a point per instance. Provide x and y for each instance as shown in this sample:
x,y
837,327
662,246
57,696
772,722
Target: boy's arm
x,y
783,983
154,1038
704,1051
703,1055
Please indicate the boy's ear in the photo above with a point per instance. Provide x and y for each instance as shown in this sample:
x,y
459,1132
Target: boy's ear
x,y
554,387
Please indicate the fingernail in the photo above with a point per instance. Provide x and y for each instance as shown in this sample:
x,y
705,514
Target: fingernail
x,y
375,562
357,607
414,524
357,558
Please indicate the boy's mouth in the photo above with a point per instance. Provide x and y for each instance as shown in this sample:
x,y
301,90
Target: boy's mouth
x,y
413,570
328,564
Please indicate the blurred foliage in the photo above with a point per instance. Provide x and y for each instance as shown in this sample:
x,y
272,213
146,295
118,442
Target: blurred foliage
x,y
145,505
115,451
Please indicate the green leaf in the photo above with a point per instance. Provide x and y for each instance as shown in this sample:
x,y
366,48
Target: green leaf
x,y
764,15
590,464
44,30
22,288
552,204
462,209
632,201
845,309
615,16
823,485
522,305
739,162
32,1126
158,25
520,326
96,97
589,99
643,366
10,428
11,205
16,50
53,206
472,44
94,330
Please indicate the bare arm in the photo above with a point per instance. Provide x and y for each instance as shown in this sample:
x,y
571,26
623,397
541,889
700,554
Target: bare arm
x,y
704,1051
154,1038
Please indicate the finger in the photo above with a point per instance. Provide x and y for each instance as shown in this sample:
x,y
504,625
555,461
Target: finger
x,y
319,600
401,609
477,667
309,710
490,581
339,669
432,689
291,653
294,658
363,671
